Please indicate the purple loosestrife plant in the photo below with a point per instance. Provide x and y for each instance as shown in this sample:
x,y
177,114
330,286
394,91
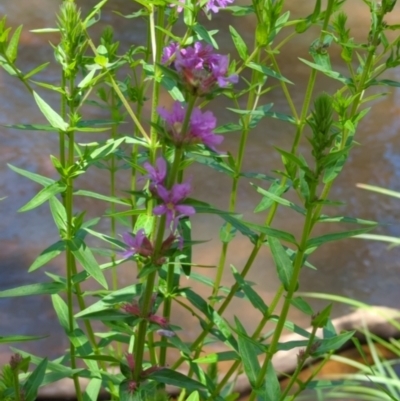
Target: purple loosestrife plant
x,y
200,130
160,257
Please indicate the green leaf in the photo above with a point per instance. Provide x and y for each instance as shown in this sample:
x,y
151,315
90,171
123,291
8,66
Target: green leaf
x,y
85,257
282,261
248,354
195,396
35,379
12,48
48,254
43,195
321,319
224,332
205,35
52,117
219,357
252,295
33,289
346,219
272,232
239,43
186,232
333,343
302,305
379,190
272,389
174,378
61,309
282,117
111,199
233,220
32,127
267,71
318,241
328,72
227,233
18,338
59,214
274,195
92,390
36,70
40,179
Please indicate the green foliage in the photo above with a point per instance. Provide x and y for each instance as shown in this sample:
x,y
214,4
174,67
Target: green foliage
x,y
151,159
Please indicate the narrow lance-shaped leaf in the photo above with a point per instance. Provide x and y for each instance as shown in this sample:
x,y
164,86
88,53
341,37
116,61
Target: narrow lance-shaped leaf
x,y
33,289
318,241
40,179
282,261
48,254
35,379
239,43
52,116
85,257
252,295
18,338
248,353
44,195
174,378
12,48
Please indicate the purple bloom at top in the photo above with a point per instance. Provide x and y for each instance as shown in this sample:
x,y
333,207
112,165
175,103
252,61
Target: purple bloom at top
x,y
200,68
215,5
137,244
212,5
172,207
200,130
156,174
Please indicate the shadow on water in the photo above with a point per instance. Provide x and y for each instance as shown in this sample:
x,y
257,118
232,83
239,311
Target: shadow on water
x,y
354,268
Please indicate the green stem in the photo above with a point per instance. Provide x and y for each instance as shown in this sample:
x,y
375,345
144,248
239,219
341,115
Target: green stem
x,y
17,389
246,121
140,342
298,263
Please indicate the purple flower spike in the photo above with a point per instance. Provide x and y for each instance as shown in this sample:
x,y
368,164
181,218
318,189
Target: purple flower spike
x,y
156,175
137,244
171,206
216,5
212,5
199,67
200,129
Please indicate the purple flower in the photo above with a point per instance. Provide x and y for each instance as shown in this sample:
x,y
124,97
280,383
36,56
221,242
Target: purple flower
x,y
172,207
200,68
156,175
166,333
212,5
169,50
200,129
215,5
137,244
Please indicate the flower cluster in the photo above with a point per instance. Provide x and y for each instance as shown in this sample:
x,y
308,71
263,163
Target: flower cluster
x,y
211,5
139,244
132,385
200,68
134,309
200,129
171,199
